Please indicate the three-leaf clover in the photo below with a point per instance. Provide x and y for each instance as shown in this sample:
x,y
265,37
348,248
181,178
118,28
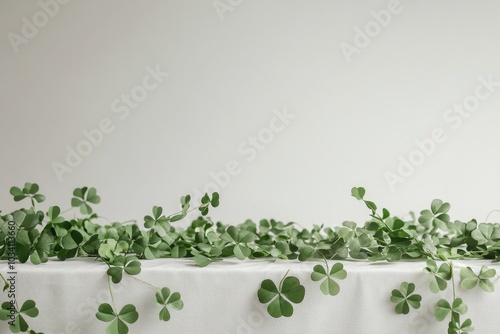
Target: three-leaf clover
x,y
158,222
437,216
29,190
404,298
289,290
164,299
329,286
83,196
127,314
129,264
19,325
206,201
443,308
440,276
470,279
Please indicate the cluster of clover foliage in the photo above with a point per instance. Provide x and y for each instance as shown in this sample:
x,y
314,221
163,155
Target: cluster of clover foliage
x,y
29,234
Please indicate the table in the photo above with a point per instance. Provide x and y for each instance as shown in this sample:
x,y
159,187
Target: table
x,y
222,298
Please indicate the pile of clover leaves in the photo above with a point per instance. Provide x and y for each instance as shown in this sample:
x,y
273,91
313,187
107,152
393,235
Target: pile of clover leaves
x,y
37,236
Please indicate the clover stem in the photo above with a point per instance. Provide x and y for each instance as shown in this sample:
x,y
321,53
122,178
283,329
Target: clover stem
x,y
281,282
147,283
65,211
326,263
4,280
111,294
452,279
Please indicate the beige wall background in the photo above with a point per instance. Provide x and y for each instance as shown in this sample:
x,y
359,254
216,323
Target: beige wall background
x,y
282,106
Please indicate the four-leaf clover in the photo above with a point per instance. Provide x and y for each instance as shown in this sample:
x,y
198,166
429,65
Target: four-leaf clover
x,y
470,279
404,298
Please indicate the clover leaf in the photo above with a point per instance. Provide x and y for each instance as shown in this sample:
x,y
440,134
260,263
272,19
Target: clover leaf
x,y
164,299
470,279
440,276
83,196
185,207
30,190
443,308
158,222
53,214
290,290
206,201
437,216
239,239
404,298
129,264
329,286
19,325
483,233
127,314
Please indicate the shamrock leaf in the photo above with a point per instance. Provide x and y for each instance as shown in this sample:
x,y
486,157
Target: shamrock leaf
x,y
403,298
239,239
329,286
290,290
19,325
483,233
470,279
358,192
440,276
164,299
53,214
437,216
158,222
129,264
127,314
30,190
206,201
443,308
185,207
82,198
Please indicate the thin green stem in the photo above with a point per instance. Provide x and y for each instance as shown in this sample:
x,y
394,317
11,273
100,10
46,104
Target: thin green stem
x,y
281,282
147,283
111,294
4,280
452,279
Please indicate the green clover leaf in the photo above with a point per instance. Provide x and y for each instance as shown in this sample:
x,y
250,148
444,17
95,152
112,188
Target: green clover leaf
x,y
404,298
206,201
30,190
83,196
20,325
164,299
470,279
239,238
185,207
437,216
158,222
127,314
290,290
329,286
443,308
440,276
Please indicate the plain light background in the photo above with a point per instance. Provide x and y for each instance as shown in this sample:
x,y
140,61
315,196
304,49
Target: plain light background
x,y
229,72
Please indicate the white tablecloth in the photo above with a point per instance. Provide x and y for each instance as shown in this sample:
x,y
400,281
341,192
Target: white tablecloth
x,y
222,298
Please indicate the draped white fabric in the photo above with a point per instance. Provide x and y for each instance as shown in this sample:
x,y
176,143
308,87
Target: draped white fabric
x,y
222,298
